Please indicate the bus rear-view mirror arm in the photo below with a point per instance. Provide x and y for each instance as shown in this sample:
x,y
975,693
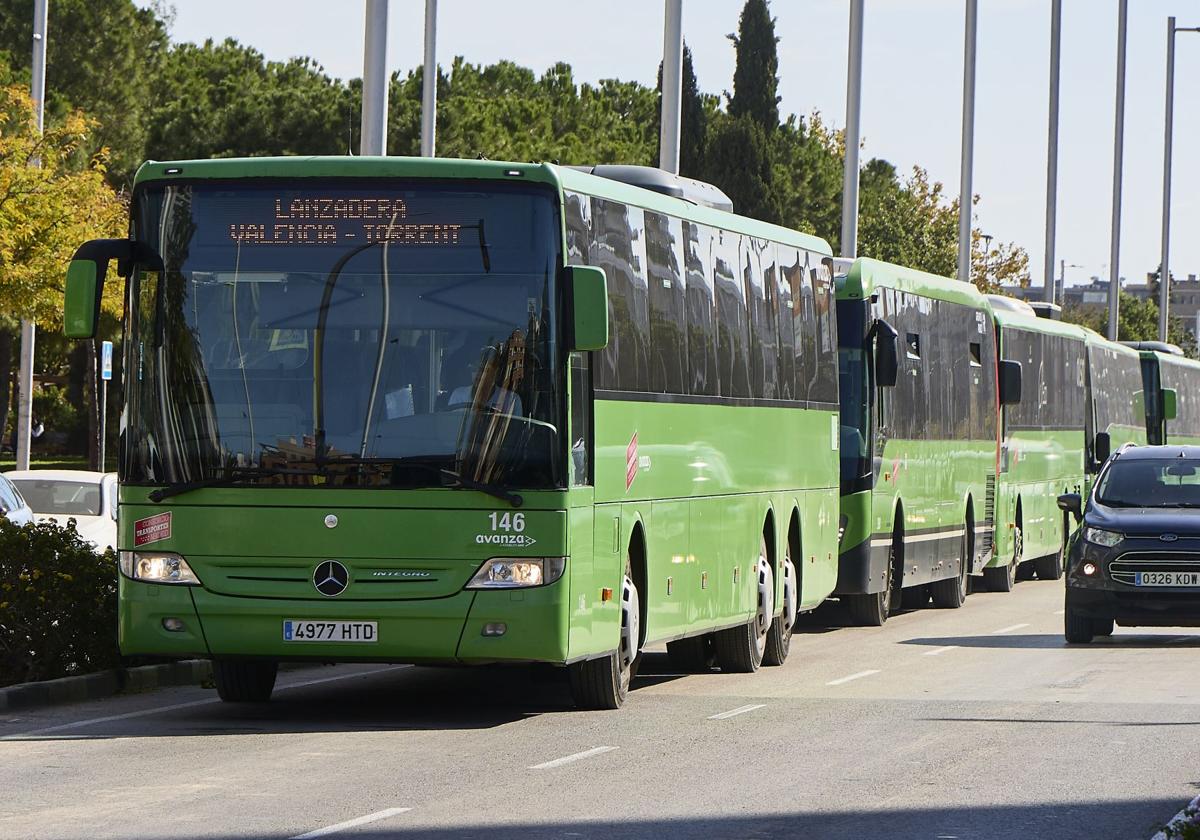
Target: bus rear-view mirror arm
x,y
85,279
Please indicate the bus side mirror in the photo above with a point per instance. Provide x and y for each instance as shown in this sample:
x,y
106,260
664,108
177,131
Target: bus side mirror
x,y
588,294
1010,382
887,362
85,280
1072,503
1170,402
1102,447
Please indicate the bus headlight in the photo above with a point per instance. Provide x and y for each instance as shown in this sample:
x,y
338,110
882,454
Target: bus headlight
x,y
157,567
517,572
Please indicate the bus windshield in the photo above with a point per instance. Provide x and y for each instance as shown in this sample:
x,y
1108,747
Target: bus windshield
x,y
343,332
853,390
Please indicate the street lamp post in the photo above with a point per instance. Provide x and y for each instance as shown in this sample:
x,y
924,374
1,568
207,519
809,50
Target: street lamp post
x,y
1164,283
1060,293
987,252
1114,259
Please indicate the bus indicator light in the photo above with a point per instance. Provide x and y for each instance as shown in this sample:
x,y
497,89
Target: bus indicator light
x,y
606,594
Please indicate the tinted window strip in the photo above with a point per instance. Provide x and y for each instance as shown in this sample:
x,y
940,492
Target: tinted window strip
x,y
701,399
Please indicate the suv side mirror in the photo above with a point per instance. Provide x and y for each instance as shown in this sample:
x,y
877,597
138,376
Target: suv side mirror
x,y
1102,447
587,291
1010,382
85,279
887,360
1170,403
1072,503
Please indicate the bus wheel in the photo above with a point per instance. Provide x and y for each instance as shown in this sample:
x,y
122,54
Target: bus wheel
x,y
1004,578
779,639
693,655
873,609
951,593
604,683
740,649
1051,567
244,682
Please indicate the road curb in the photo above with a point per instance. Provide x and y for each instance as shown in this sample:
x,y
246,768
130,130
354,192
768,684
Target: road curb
x,y
1190,814
104,684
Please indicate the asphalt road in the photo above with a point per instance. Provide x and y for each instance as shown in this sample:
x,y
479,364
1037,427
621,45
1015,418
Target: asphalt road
x,y
973,723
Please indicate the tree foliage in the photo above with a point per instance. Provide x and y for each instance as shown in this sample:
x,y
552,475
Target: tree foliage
x,y
1137,320
756,73
47,211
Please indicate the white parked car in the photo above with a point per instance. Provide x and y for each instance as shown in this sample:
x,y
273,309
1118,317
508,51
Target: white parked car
x,y
90,498
12,506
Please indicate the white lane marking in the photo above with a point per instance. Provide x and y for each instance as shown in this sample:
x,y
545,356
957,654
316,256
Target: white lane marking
x,y
354,823
1009,629
567,759
157,710
857,676
740,710
940,651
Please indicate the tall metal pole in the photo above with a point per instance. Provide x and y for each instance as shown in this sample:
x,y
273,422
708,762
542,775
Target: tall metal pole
x,y
1114,258
429,83
1164,278
672,86
1052,148
375,80
853,132
965,192
37,91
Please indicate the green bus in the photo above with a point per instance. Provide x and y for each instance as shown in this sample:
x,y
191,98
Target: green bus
x,y
446,411
1042,442
1173,381
1115,411
919,389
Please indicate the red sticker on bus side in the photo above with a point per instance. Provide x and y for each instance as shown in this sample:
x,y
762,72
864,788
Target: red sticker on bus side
x,y
631,462
152,529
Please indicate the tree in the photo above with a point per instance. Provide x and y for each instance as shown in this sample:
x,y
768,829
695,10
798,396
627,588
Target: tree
x,y
46,211
693,119
1137,320
808,177
739,161
101,58
755,77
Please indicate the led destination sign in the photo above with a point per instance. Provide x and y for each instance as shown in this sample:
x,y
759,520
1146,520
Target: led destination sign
x,y
329,220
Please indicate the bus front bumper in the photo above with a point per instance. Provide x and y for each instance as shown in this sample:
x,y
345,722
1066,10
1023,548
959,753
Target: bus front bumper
x,y
431,630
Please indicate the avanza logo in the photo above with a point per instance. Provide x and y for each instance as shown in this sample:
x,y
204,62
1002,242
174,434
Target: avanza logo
x,y
504,539
631,462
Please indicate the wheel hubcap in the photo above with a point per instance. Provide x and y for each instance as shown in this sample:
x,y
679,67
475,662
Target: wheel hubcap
x,y
630,630
791,597
766,604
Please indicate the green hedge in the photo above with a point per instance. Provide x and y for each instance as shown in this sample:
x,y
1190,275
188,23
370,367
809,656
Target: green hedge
x,y
58,604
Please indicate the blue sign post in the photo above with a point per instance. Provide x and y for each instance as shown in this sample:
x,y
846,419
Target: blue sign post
x,y
106,360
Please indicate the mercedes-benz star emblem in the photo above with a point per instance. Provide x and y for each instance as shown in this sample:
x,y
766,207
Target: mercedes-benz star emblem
x,y
331,578
1169,537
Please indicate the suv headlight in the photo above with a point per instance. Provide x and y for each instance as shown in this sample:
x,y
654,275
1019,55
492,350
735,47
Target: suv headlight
x,y
156,567
517,572
1098,536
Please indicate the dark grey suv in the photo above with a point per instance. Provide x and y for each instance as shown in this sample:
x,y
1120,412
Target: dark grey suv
x,y
1136,558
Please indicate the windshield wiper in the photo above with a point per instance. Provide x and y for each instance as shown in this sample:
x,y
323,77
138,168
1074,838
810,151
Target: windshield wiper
x,y
232,474
458,482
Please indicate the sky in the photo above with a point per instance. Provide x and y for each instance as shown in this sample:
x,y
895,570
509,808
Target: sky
x,y
912,90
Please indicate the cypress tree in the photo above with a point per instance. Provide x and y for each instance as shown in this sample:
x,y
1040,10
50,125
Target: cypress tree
x,y
755,78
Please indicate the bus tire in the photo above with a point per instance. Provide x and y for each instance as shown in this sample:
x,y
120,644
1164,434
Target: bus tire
x,y
740,649
1004,578
873,609
1078,629
244,682
693,655
1051,566
779,638
604,683
951,593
